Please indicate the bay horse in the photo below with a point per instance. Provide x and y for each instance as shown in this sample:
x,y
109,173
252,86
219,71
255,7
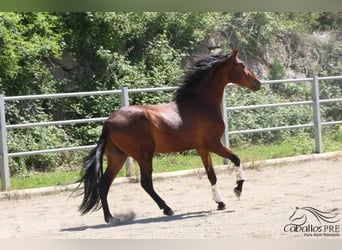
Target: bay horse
x,y
193,120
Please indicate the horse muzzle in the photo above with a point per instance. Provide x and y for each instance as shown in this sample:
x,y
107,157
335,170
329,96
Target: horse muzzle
x,y
256,85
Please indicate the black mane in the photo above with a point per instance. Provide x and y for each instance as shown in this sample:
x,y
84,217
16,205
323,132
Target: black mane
x,y
195,75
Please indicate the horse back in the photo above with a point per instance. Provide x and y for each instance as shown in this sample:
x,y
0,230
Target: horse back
x,y
160,128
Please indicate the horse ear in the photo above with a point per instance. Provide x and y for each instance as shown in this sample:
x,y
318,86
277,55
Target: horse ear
x,y
234,56
235,52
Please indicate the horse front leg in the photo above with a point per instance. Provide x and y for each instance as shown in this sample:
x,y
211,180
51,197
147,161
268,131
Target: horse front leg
x,y
208,165
225,152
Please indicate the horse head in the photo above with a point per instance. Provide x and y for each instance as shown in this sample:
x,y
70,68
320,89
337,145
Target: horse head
x,y
240,73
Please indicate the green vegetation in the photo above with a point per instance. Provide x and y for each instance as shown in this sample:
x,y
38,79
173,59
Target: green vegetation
x,y
68,52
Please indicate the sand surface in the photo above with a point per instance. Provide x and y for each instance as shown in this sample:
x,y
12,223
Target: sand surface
x,y
269,198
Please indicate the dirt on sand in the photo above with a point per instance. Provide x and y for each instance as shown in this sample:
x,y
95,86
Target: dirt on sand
x,y
270,197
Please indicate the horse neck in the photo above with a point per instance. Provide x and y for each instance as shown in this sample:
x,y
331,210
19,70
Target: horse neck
x,y
210,90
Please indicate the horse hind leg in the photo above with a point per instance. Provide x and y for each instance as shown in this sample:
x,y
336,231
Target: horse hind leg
x,y
115,159
147,185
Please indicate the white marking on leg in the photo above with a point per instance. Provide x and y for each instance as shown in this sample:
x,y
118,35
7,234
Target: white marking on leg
x,y
239,174
216,193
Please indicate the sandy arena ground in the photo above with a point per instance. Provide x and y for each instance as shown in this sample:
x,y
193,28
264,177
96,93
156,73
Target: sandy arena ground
x,y
269,198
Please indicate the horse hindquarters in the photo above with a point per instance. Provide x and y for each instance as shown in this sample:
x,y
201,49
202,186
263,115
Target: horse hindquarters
x,y
130,135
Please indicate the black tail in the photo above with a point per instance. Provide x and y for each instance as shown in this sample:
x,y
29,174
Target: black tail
x,y
91,173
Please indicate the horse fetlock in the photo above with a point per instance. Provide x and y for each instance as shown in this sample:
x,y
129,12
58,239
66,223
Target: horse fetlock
x,y
239,184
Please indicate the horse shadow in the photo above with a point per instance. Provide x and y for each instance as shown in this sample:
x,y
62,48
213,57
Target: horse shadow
x,y
129,219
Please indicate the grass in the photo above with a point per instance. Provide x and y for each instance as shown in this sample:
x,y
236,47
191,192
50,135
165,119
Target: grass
x,y
299,145
42,179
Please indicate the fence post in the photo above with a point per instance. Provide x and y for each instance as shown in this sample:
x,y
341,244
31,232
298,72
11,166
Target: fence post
x,y
225,137
125,103
317,115
4,170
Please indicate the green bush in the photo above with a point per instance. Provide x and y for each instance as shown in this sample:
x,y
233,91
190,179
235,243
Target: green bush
x,y
277,70
32,139
263,117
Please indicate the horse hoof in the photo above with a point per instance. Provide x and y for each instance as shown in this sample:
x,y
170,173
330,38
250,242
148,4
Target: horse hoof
x,y
112,220
108,218
221,206
168,211
238,188
237,192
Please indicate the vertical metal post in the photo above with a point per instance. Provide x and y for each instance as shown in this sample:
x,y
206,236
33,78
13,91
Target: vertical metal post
x,y
125,103
225,137
4,170
317,115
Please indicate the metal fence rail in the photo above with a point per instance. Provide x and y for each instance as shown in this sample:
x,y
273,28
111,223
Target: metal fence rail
x,y
124,93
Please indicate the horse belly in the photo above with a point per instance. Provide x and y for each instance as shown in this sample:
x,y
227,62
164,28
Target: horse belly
x,y
171,144
170,139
